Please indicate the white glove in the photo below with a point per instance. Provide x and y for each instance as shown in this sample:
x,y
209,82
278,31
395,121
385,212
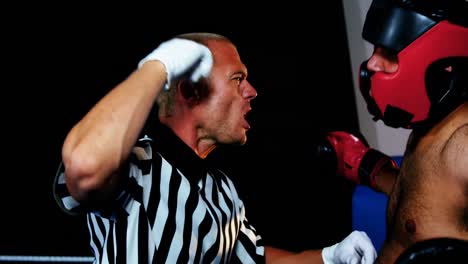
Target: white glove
x,y
355,248
180,57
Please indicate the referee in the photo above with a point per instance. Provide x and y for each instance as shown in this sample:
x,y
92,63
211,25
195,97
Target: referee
x,y
170,195
154,199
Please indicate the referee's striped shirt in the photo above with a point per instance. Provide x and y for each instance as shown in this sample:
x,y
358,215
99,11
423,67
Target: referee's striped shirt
x,y
174,209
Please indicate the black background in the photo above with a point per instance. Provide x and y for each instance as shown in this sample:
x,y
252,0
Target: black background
x,y
60,60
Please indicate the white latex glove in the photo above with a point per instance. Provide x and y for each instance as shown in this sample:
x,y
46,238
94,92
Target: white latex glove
x,y
180,57
355,248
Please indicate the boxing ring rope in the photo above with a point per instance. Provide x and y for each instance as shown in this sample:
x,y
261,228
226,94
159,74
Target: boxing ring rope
x,y
47,259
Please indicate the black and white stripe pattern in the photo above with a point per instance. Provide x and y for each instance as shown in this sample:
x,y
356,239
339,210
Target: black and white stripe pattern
x,y
175,218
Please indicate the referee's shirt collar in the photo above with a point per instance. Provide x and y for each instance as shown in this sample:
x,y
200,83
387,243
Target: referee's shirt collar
x,y
178,154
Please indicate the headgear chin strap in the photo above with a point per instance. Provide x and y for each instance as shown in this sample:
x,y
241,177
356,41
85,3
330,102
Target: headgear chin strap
x,y
428,50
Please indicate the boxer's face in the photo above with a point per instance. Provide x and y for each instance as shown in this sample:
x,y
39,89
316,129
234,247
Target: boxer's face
x,y
382,61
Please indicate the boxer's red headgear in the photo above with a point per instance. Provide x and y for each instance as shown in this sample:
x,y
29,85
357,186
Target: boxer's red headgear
x,y
430,38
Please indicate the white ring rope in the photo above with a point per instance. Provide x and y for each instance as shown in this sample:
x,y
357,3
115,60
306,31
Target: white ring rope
x,y
47,258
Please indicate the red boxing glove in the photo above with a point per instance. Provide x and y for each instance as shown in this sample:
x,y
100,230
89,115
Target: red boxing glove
x,y
355,159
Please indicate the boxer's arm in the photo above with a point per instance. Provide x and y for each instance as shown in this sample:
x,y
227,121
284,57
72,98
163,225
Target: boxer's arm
x,y
359,163
385,178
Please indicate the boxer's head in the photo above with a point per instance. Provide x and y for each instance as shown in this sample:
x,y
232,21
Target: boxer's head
x,y
436,250
427,41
